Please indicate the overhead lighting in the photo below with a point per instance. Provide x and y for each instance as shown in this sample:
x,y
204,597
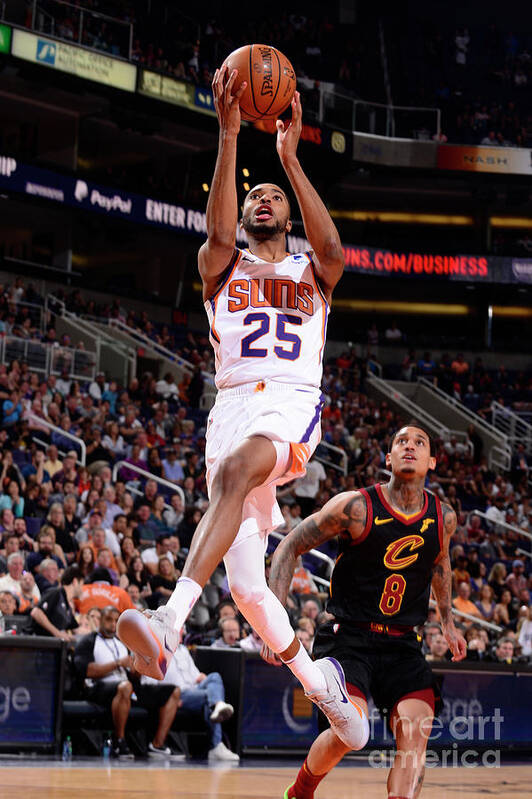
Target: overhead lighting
x,y
246,186
511,310
392,306
403,217
245,172
205,186
510,221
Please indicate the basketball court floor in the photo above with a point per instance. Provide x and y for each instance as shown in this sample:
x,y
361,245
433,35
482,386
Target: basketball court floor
x,y
35,778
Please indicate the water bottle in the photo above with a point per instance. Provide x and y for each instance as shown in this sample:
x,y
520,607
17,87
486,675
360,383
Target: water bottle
x,y
67,748
106,749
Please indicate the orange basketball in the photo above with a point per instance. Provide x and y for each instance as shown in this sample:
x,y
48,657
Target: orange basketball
x,y
270,77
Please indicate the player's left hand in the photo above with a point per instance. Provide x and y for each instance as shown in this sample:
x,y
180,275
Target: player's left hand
x,y
288,132
456,642
269,656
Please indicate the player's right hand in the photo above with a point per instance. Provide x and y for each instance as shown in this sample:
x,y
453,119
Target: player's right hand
x,y
270,656
227,105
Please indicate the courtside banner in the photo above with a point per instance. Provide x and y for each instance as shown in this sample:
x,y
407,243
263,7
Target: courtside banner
x,y
170,90
505,160
81,194
78,61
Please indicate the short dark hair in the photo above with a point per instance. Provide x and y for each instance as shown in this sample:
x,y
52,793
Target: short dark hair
x,y
421,426
70,574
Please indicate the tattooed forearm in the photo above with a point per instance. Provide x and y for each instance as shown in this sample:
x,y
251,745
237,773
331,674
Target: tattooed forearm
x,y
441,572
304,537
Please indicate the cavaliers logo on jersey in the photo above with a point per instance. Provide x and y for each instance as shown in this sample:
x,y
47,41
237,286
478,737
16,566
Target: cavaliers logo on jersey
x,y
392,557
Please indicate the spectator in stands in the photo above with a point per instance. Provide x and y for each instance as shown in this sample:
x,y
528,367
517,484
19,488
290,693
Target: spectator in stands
x,y
495,514
516,580
311,608
139,575
429,630
200,693
52,464
485,603
166,387
150,557
15,568
504,651
392,334
7,521
524,631
302,581
9,603
47,575
497,579
307,488
86,560
505,612
172,468
439,649
230,633
55,613
103,661
463,603
97,591
174,515
163,582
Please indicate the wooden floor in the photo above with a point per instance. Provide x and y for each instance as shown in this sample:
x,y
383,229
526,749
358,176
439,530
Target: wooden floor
x,y
69,781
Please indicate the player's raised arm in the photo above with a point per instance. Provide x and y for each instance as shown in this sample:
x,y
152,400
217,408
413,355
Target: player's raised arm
x,y
320,230
222,207
441,586
344,514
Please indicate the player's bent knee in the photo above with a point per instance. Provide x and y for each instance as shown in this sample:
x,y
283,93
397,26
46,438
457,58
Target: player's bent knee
x,y
247,596
232,475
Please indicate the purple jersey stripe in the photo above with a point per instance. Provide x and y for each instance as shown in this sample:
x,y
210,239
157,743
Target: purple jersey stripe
x,y
314,421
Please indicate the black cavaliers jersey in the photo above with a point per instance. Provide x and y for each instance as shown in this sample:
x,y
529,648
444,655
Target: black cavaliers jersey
x,y
384,576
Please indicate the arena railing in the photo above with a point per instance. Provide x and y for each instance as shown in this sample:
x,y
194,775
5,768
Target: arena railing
x,y
343,455
82,460
149,476
496,524
512,426
489,625
50,359
172,357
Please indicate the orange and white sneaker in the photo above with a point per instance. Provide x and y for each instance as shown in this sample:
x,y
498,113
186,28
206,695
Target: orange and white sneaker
x,y
348,721
151,637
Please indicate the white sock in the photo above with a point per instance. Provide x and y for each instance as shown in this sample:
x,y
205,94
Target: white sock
x,y
186,594
306,671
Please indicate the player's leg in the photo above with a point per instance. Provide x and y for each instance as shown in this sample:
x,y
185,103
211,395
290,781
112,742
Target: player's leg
x,y
324,680
326,751
411,724
153,641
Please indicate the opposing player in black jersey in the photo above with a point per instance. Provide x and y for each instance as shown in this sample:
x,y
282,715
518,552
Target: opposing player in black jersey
x,y
394,543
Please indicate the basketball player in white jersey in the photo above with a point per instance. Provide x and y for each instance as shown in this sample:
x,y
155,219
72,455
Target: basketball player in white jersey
x,y
268,312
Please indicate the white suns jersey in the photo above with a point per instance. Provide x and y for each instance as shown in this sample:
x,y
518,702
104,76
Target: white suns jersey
x,y
268,321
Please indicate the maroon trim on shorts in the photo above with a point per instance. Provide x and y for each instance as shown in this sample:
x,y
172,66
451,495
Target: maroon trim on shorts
x,y
425,694
354,690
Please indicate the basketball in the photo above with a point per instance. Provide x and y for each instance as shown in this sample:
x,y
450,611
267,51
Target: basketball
x,y
270,77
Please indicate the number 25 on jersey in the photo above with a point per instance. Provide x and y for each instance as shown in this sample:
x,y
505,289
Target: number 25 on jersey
x,y
290,353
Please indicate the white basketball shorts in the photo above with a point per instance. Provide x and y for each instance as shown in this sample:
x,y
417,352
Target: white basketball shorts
x,y
281,412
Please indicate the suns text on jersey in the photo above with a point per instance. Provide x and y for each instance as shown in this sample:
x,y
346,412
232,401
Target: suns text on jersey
x,y
268,292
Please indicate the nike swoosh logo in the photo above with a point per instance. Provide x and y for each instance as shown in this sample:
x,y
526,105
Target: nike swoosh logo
x,y
344,698
382,521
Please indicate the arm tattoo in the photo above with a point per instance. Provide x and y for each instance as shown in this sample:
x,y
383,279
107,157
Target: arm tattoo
x,y
305,536
354,515
441,571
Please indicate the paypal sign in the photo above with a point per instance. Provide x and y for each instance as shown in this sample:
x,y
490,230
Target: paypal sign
x,y
46,52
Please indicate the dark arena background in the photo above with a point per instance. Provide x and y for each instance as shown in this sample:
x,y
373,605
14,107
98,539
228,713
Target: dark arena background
x,y
417,126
